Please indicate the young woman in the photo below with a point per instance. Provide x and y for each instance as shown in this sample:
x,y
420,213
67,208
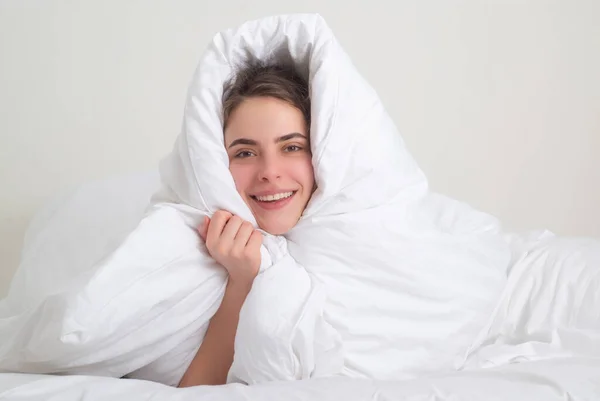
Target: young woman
x,y
266,114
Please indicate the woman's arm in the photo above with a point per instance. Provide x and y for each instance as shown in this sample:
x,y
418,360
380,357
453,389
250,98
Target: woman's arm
x,y
235,245
215,356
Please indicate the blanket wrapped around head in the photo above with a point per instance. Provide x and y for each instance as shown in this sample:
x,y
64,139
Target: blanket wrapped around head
x,y
380,278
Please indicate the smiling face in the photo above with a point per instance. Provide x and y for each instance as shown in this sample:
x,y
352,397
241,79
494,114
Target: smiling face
x,y
268,145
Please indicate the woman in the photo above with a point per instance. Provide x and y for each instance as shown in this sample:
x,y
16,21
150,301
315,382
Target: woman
x,y
266,121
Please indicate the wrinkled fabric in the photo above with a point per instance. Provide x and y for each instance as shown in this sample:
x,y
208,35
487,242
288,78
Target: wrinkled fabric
x,y
550,307
575,379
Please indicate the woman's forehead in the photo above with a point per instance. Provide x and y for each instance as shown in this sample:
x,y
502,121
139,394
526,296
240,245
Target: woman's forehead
x,y
264,120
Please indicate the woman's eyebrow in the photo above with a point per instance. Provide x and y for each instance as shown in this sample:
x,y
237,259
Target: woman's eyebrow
x,y
290,136
252,142
243,141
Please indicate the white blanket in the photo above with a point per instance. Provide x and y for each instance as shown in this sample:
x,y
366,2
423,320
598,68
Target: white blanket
x,y
575,379
381,278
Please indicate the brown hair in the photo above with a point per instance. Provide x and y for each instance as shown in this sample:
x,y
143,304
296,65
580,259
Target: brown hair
x,y
274,80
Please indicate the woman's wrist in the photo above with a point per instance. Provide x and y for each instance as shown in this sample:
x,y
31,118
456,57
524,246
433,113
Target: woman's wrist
x,y
240,285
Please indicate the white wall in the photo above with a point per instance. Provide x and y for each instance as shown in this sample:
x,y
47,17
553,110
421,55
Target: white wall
x,y
499,101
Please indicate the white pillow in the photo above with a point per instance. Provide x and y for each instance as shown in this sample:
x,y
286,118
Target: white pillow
x,y
78,228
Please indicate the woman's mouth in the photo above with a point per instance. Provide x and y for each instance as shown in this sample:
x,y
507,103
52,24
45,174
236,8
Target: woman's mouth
x,y
273,201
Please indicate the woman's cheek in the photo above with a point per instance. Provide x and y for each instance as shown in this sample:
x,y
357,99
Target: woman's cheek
x,y
308,171
241,175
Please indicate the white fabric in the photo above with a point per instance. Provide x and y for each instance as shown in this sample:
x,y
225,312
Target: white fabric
x,y
550,307
77,228
573,379
380,279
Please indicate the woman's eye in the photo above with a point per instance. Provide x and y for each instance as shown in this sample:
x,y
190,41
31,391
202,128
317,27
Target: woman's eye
x,y
293,148
243,154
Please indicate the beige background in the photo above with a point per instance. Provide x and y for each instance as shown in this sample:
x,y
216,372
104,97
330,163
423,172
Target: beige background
x,y
499,101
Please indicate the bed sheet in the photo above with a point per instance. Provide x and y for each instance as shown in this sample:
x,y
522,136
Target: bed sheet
x,y
573,379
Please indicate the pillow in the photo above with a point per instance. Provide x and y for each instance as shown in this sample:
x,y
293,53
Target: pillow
x,y
76,229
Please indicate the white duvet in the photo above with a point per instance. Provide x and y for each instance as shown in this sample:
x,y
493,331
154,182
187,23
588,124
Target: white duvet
x,y
574,379
381,278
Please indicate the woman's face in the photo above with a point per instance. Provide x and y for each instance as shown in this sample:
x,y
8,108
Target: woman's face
x,y
268,145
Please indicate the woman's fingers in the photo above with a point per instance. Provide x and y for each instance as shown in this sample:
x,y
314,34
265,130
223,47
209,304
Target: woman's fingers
x,y
216,226
243,235
203,229
230,230
233,243
255,240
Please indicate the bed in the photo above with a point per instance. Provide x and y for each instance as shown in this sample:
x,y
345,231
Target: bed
x,y
575,379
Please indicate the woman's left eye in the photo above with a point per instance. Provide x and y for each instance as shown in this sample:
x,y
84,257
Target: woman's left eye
x,y
293,148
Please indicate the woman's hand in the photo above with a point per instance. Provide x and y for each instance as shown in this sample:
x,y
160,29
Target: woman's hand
x,y
233,243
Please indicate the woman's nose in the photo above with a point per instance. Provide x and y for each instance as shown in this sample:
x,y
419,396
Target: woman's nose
x,y
270,169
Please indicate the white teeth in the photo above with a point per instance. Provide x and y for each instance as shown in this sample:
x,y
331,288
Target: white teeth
x,y
271,198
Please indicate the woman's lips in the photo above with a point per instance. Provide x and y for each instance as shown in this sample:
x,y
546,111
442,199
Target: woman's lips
x,y
275,204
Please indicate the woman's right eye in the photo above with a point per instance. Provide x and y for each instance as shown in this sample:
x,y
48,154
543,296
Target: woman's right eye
x,y
243,154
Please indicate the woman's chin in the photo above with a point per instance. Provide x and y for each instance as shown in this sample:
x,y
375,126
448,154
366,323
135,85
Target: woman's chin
x,y
276,227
